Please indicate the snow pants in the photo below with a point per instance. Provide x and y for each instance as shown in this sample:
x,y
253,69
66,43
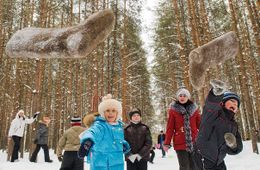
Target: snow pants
x,y
205,164
71,161
152,155
117,167
185,160
36,151
16,148
137,165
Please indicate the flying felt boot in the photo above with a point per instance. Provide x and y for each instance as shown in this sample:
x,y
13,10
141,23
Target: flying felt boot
x,y
71,42
211,54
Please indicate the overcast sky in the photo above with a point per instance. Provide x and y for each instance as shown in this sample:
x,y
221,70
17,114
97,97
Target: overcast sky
x,y
148,18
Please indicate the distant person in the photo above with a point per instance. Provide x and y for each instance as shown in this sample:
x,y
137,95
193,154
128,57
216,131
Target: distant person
x,y
160,142
69,142
103,143
138,135
16,131
218,133
152,155
41,140
183,127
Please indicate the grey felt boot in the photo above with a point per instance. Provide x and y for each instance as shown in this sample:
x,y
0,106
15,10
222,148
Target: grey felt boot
x,y
210,55
71,42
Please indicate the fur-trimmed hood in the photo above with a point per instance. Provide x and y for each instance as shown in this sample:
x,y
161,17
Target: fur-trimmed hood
x,y
190,108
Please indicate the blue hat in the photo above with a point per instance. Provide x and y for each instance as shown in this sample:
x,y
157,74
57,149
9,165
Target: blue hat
x,y
231,95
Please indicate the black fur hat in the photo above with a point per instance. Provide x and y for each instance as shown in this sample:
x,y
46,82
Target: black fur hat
x,y
134,111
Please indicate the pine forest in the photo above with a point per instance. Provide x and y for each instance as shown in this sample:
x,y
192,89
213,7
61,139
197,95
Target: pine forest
x,y
62,88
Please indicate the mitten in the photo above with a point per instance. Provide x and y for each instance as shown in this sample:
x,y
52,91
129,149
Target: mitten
x,y
230,140
35,141
219,87
138,157
132,158
84,148
126,147
60,158
36,115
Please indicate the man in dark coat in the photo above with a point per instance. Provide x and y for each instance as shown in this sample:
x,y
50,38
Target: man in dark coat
x,y
160,141
139,138
218,134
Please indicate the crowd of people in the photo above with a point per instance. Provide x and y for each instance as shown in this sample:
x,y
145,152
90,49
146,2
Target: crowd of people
x,y
201,140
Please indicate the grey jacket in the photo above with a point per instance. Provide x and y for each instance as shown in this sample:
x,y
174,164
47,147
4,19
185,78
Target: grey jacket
x,y
42,134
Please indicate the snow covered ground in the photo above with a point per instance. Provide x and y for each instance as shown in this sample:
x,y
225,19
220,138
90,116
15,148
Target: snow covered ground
x,y
244,161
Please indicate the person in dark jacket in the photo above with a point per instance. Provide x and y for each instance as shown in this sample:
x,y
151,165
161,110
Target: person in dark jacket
x,y
41,140
139,138
183,126
160,141
69,142
152,154
218,133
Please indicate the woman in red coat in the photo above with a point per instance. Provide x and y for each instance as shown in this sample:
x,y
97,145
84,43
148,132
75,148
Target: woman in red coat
x,y
182,127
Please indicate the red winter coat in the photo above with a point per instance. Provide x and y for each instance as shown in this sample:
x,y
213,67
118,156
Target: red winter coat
x,y
175,125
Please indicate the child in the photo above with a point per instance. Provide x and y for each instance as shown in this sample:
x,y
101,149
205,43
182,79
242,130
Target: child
x,y
41,140
104,142
16,131
70,143
152,155
183,126
139,137
218,133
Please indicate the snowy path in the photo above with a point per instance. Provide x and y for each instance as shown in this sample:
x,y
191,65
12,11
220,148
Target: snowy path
x,y
244,161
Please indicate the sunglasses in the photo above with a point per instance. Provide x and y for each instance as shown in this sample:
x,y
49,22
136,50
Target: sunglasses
x,y
182,95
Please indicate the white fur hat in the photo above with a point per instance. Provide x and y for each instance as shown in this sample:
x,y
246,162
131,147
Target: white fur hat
x,y
183,91
107,101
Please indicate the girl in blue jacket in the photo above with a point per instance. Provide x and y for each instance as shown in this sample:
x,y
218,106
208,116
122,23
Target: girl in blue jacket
x,y
104,142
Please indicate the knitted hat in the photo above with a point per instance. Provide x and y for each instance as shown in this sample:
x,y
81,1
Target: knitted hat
x,y
134,111
108,102
183,91
231,95
75,120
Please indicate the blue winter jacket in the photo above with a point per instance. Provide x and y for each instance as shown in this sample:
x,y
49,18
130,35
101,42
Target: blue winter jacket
x,y
106,152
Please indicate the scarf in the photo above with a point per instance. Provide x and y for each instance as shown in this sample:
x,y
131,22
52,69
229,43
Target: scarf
x,y
187,110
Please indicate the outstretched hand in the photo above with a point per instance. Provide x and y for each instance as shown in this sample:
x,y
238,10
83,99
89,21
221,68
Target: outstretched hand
x,y
84,148
36,114
219,87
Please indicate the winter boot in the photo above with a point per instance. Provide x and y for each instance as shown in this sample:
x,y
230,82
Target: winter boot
x,y
72,42
33,158
210,55
50,161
